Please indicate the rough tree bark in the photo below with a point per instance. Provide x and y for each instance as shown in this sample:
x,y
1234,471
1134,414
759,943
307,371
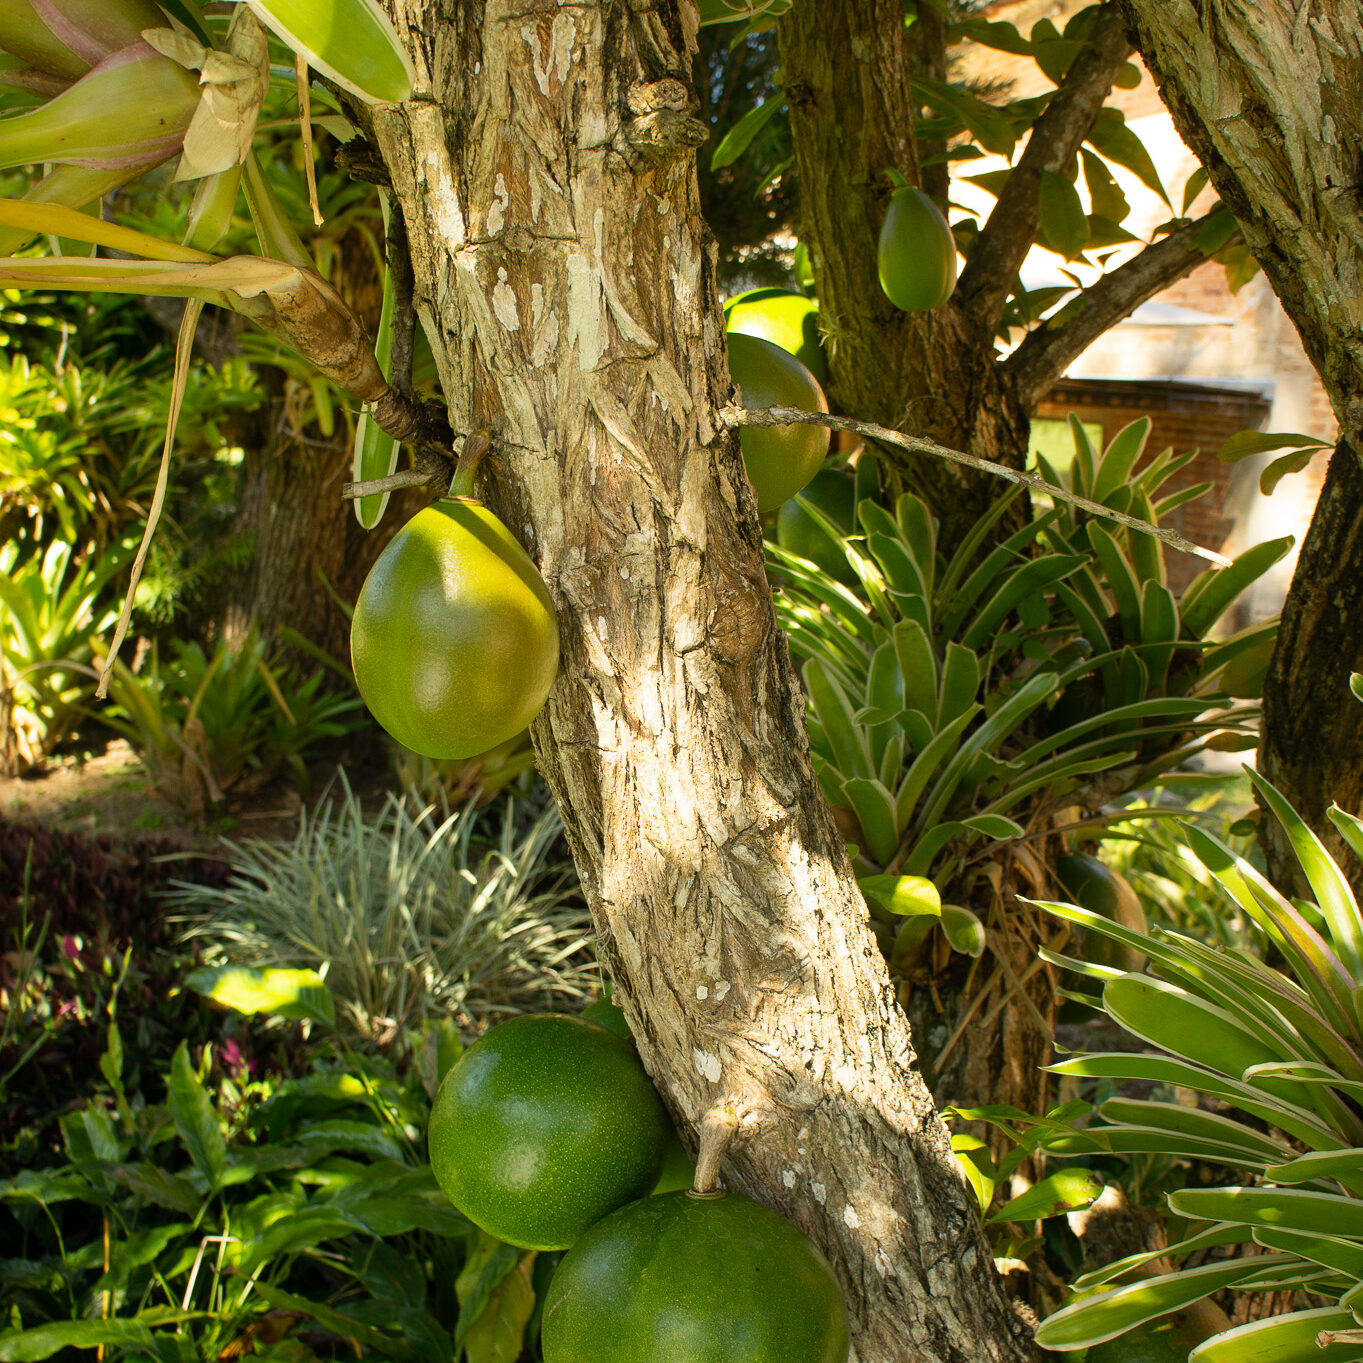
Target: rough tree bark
x,y
1269,95
564,276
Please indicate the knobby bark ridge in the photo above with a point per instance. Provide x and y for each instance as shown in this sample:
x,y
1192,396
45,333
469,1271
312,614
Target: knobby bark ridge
x,y
564,276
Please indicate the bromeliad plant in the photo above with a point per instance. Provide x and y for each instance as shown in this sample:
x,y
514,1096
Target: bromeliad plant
x,y
955,700
1274,1054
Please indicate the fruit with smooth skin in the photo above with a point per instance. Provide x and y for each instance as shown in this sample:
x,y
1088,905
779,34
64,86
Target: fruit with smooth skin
x,y
1095,886
916,253
834,493
784,318
454,640
780,459
682,1279
546,1124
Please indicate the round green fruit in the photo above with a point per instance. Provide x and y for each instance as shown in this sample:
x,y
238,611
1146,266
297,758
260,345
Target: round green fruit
x,y
543,1127
780,459
1095,886
454,640
787,319
681,1279
917,253
833,492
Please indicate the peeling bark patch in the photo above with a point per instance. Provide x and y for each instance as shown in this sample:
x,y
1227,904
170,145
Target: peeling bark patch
x,y
702,993
707,1064
504,302
850,1218
496,214
820,1193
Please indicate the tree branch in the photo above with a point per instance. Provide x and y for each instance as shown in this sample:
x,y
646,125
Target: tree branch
x,y
735,416
1048,350
1057,135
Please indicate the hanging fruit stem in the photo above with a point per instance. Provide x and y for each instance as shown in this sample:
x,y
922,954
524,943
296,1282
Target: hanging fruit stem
x,y
476,445
718,1128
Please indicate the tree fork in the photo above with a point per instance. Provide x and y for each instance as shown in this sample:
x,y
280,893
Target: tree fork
x,y
566,281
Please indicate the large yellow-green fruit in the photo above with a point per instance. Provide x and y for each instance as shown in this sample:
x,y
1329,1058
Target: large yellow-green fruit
x,y
784,318
546,1124
680,1279
780,459
917,253
454,640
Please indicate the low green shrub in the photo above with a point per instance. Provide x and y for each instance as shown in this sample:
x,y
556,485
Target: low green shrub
x,y
207,727
411,914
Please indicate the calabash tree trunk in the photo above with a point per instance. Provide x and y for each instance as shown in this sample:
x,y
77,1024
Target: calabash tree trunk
x,y
564,276
1269,94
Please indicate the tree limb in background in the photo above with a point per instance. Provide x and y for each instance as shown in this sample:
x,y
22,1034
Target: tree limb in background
x,y
1056,137
1048,350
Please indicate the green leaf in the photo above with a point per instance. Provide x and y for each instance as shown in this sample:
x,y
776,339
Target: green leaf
x,y
1183,1024
1344,1256
1284,464
875,810
972,1154
1210,594
739,138
1280,1208
1113,1313
274,991
195,1119
1263,442
1105,194
995,34
1197,182
902,895
339,1324
1333,894
1217,229
497,1334
989,127
1193,1122
1281,1339
1316,1164
963,930
25,1346
1065,1191
1114,141
846,739
350,41
1119,460
1064,226
489,1263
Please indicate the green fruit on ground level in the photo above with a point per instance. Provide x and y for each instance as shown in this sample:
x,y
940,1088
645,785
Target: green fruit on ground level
x,y
1095,886
780,460
784,318
454,640
916,253
680,1279
544,1126
833,492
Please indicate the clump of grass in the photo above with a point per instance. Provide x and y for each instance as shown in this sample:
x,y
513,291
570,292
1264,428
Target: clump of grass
x,y
411,914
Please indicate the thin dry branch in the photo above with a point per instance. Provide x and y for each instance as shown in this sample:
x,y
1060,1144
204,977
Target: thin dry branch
x,y
736,416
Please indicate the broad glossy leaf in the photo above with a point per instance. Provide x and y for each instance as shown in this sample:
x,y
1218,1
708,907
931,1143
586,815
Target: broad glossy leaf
x,y
902,895
1063,226
875,810
195,1119
274,991
739,138
1333,895
26,1346
1286,1208
351,41
1282,1339
1064,1191
1113,1313
963,930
